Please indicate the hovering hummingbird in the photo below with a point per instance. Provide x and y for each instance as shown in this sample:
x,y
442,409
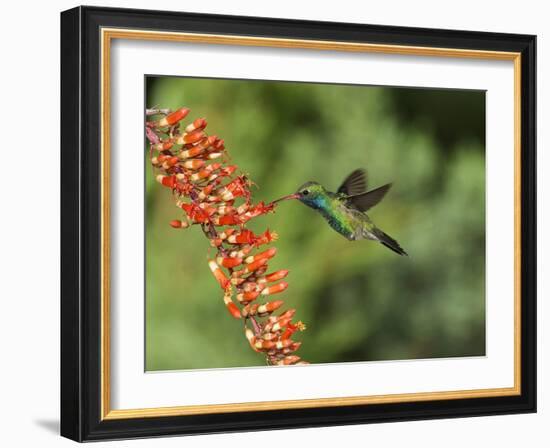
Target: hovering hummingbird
x,y
345,209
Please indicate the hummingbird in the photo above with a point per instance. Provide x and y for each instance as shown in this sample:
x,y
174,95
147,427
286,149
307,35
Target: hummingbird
x,y
345,210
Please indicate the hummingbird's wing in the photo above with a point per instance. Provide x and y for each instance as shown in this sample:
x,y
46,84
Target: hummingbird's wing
x,y
367,200
354,184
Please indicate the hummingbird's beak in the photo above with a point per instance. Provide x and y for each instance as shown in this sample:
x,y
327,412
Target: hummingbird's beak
x,y
284,198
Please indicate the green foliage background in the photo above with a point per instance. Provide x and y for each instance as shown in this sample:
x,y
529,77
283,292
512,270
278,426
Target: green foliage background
x,y
361,302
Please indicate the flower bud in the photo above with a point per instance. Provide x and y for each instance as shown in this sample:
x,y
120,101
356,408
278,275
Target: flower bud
x,y
193,152
173,118
274,276
241,253
256,264
231,307
269,253
227,220
247,296
218,274
169,162
178,224
191,137
167,181
251,338
205,172
274,289
205,192
162,146
199,123
225,210
266,336
193,164
245,236
269,307
226,233
229,262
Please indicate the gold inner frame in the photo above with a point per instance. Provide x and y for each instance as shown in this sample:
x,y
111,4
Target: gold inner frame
x,y
107,35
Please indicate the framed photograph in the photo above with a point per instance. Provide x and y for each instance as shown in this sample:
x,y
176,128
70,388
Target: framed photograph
x,y
276,224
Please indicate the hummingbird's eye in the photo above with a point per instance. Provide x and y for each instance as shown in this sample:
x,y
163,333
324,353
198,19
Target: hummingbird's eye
x,y
305,192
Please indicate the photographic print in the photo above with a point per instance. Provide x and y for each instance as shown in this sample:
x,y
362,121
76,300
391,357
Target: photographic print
x,y
273,224
290,223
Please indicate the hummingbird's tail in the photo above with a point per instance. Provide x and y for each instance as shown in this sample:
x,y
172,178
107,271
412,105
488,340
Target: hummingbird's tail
x,y
388,241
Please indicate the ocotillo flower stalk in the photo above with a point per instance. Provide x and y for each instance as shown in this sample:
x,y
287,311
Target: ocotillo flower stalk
x,y
212,196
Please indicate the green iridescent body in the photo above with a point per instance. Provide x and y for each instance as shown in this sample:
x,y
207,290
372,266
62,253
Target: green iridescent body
x,y
347,221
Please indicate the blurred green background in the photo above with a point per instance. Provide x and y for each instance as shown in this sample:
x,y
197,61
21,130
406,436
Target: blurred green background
x,y
360,301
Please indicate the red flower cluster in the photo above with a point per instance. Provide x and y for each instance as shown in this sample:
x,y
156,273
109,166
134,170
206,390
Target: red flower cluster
x,y
213,196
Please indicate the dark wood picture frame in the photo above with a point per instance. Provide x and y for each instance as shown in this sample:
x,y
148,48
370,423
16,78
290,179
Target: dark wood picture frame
x,y
85,414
